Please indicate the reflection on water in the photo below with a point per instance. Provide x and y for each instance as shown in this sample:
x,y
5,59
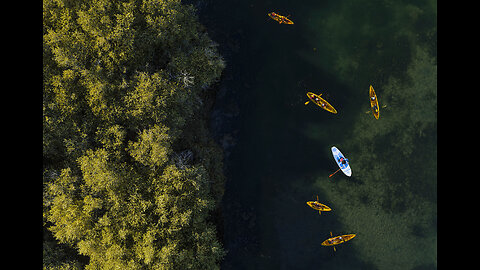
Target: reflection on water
x,y
278,150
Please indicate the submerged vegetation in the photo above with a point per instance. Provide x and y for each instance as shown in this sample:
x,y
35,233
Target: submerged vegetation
x,y
393,193
390,202
131,177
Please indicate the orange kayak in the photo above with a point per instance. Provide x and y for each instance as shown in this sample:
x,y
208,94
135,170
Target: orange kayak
x,y
279,18
318,206
374,103
338,239
320,102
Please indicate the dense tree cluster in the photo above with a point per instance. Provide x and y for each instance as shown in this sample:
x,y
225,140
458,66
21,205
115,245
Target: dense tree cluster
x,y
130,175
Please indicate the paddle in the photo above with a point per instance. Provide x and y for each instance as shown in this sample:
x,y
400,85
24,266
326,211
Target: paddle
x,y
319,211
334,172
383,107
331,235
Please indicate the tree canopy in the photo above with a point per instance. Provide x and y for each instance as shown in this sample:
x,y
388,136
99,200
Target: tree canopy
x,y
130,174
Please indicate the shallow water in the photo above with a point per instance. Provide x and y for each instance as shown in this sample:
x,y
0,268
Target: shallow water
x,y
277,150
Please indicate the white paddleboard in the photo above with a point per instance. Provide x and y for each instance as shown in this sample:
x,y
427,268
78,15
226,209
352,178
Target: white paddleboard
x,y
345,167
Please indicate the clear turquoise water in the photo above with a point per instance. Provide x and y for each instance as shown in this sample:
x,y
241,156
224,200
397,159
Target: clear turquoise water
x,y
278,150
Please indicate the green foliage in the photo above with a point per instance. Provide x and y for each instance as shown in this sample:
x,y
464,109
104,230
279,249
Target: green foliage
x,y
117,113
152,148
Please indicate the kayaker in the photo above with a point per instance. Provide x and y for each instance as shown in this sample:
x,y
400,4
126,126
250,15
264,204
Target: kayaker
x,y
375,108
343,160
372,98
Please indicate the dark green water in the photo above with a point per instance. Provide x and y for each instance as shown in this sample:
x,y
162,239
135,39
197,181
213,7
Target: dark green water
x,y
278,150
